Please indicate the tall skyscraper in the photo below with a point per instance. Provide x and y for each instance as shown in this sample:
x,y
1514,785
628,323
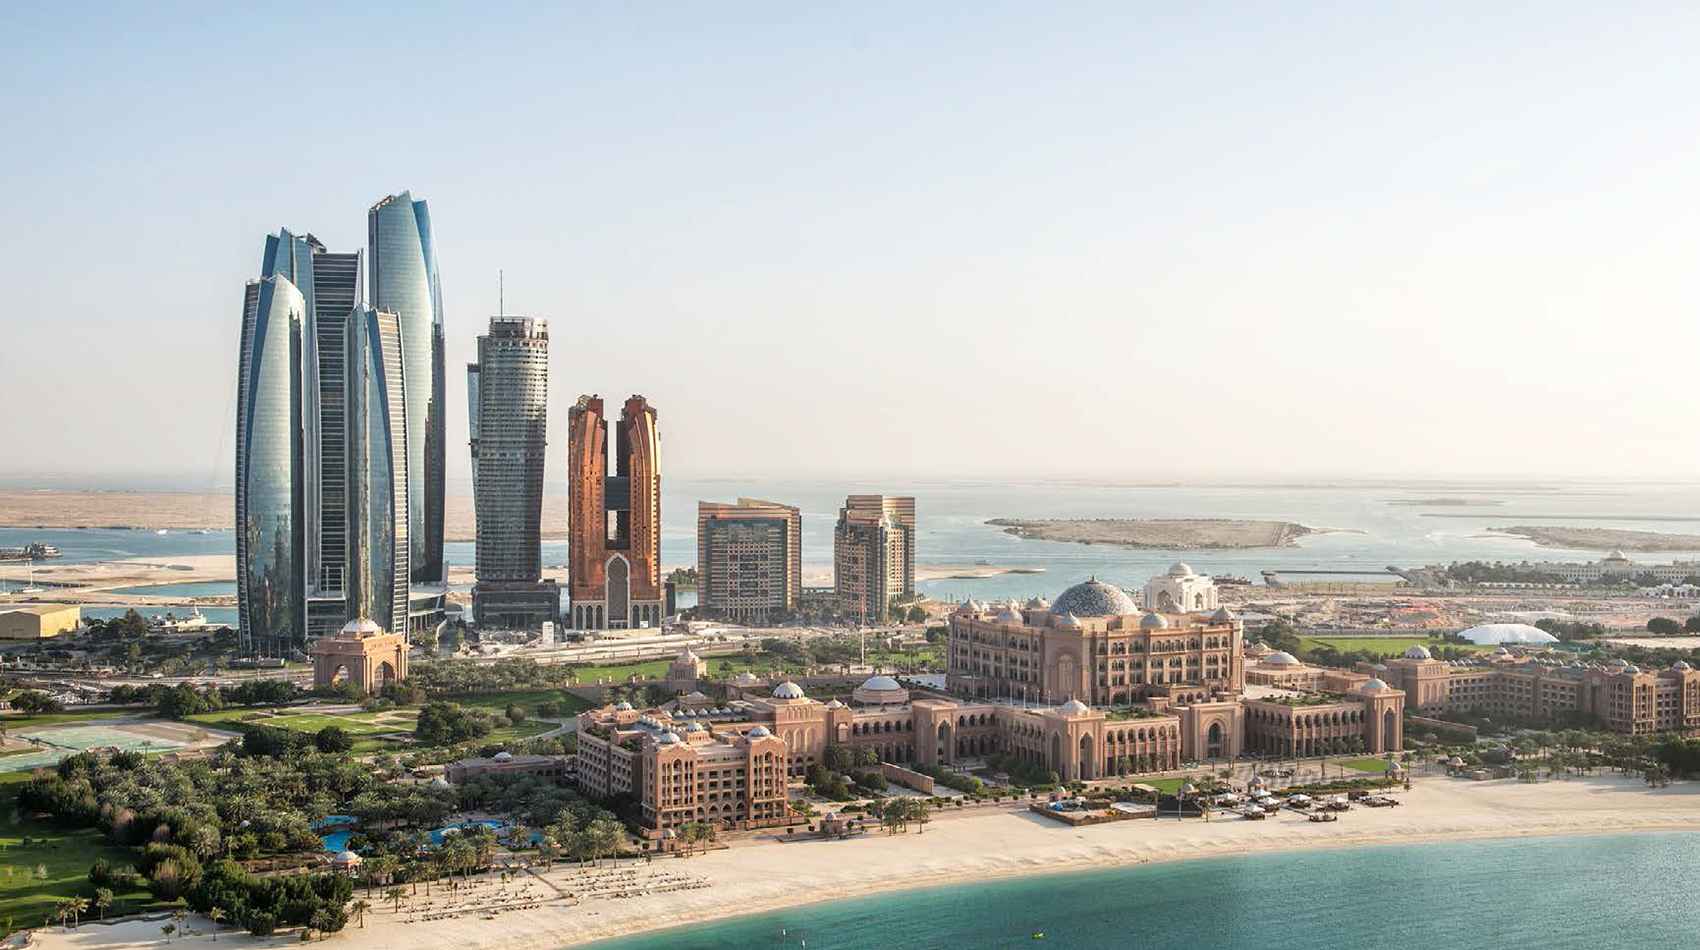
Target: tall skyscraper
x,y
270,476
403,281
508,398
614,565
379,552
749,559
873,554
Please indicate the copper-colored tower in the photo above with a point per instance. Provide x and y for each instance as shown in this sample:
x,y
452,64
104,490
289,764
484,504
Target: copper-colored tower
x,y
614,563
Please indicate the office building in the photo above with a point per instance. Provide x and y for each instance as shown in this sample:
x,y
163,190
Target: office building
x,y
379,548
403,281
614,528
873,554
749,560
508,396
270,530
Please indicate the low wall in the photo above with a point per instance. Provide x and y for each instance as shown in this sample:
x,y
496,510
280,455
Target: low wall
x,y
908,778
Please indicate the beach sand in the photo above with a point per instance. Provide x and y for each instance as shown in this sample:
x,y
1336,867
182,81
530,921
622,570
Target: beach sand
x,y
757,876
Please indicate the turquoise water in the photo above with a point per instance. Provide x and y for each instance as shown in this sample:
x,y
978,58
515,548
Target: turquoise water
x,y
185,589
1583,893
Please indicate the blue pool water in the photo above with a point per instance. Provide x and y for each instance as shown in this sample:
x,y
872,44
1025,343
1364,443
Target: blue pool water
x,y
1582,893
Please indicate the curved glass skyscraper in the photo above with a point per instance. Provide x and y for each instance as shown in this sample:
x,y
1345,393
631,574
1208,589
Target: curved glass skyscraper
x,y
378,538
403,281
270,582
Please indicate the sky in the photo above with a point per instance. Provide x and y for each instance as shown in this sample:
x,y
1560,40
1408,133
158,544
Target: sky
x,y
1118,241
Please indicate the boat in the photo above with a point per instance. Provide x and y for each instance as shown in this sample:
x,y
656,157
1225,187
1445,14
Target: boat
x,y
1230,580
35,551
1321,816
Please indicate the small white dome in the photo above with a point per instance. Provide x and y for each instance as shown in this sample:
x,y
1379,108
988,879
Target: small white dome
x,y
1375,685
361,626
1224,615
788,690
668,738
1180,569
695,727
1281,658
834,704
623,706
1038,603
1681,665
1074,707
504,756
1153,621
1068,621
1010,615
881,683
1418,652
759,732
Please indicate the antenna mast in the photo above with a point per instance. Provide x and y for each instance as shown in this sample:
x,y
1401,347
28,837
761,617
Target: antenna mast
x,y
501,305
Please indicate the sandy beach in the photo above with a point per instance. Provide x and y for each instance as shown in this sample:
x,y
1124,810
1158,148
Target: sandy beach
x,y
753,877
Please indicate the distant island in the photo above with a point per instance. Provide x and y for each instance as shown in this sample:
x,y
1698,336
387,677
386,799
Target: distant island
x,y
1445,502
1603,539
1179,534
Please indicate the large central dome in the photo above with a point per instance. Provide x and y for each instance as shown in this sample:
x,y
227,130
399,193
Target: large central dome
x,y
1093,598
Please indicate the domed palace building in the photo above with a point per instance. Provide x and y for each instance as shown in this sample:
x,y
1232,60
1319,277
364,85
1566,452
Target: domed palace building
x,y
1090,687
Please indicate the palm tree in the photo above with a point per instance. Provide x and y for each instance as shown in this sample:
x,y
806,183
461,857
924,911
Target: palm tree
x,y
215,915
168,930
359,909
102,900
395,896
79,907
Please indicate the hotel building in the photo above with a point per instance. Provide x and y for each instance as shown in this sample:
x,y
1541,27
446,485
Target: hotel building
x,y
1619,696
873,554
749,560
1088,687
614,531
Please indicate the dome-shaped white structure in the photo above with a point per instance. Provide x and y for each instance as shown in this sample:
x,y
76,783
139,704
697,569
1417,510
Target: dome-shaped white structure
x,y
1223,615
1489,634
668,738
1153,621
1038,603
1010,615
834,704
1417,651
788,690
1181,569
1281,658
880,691
1074,707
745,678
759,732
1067,621
1681,665
504,756
623,706
1375,685
361,627
695,727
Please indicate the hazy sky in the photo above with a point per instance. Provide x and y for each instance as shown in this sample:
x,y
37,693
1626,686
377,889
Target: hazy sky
x,y
1093,240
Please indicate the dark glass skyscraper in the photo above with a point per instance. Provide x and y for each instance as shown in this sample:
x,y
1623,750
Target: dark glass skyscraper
x,y
403,281
508,399
270,471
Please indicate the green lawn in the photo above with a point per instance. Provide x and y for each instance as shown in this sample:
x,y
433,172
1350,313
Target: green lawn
x,y
12,721
526,699
25,899
613,675
1167,786
1367,764
1386,646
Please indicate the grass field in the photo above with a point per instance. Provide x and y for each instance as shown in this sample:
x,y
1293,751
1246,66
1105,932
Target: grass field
x,y
1386,646
13,721
1167,786
526,699
1367,764
66,855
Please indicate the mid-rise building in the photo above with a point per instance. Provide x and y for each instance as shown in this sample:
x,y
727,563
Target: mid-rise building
x,y
873,554
508,395
749,560
1617,695
614,526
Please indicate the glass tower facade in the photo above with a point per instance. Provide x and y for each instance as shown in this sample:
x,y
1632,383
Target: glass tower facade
x,y
378,538
270,470
403,280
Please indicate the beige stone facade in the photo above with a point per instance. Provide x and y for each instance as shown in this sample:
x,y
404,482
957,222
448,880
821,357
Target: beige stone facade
x,y
1620,697
38,621
363,653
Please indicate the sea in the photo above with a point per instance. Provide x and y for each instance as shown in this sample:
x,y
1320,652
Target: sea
x,y
1627,892
1363,526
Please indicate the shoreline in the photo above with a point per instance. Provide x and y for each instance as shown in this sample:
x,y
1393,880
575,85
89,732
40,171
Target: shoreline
x,y
757,877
